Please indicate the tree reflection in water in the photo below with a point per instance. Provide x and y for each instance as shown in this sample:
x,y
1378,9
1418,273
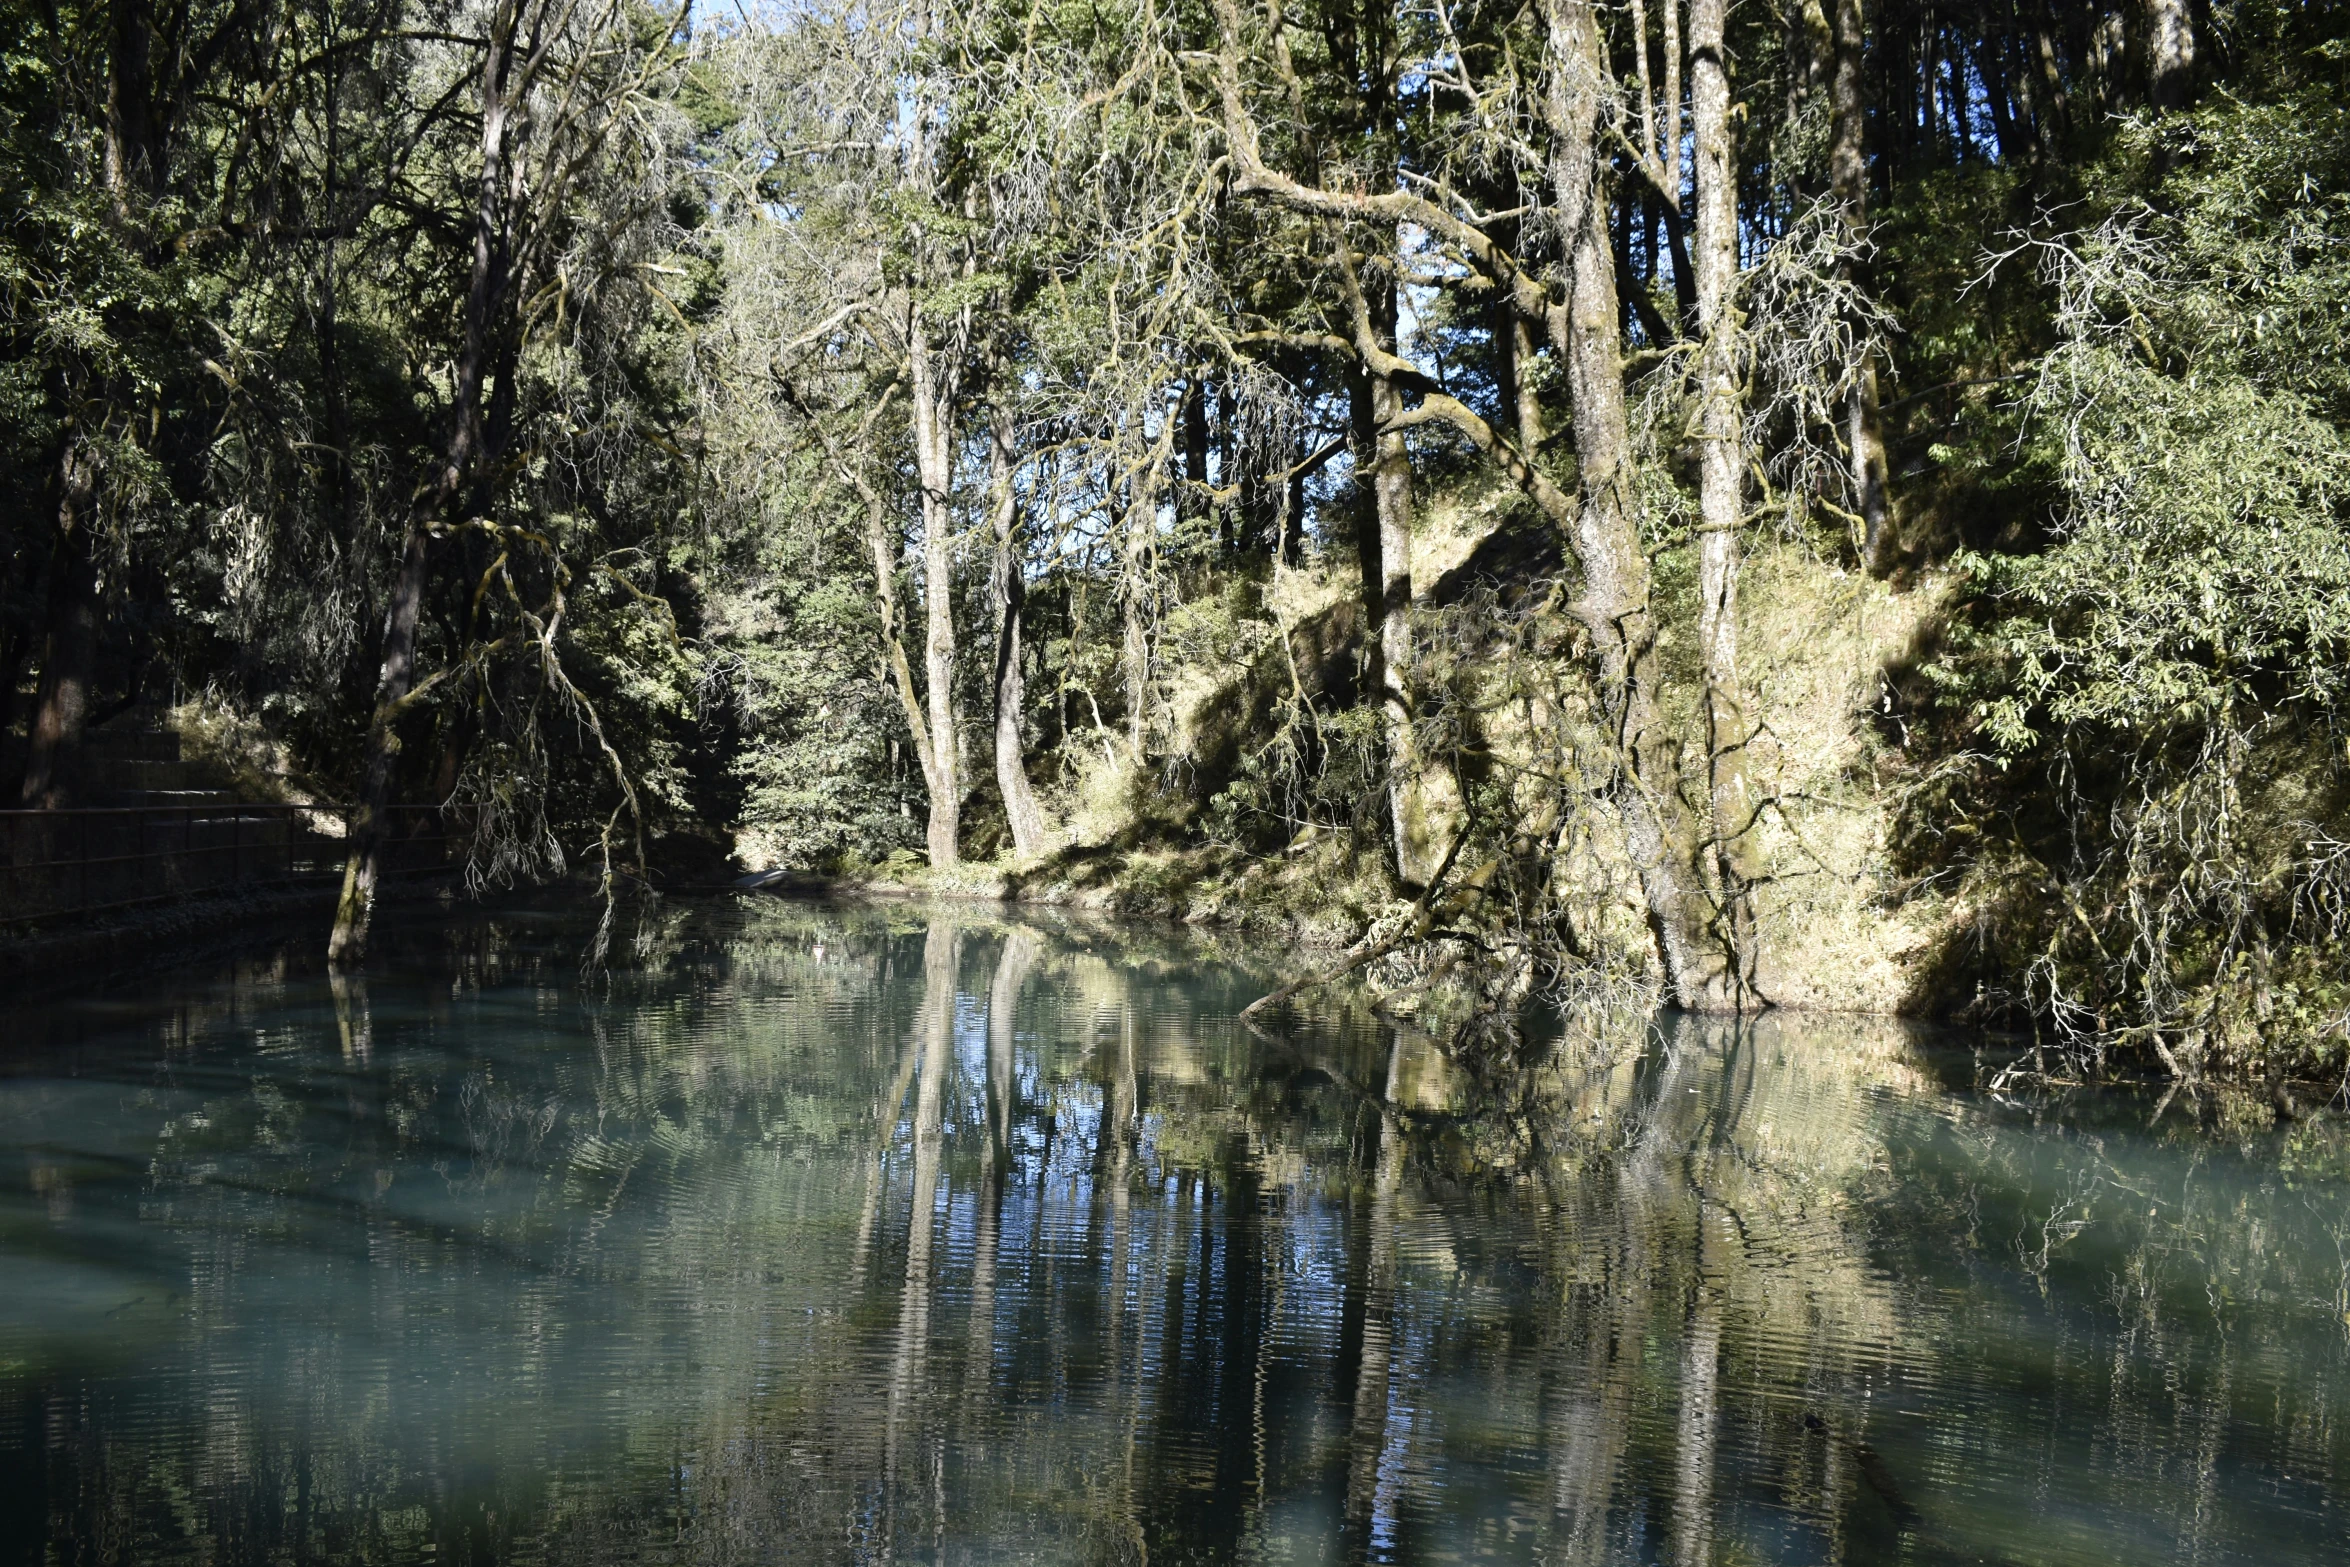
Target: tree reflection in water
x,y
928,1235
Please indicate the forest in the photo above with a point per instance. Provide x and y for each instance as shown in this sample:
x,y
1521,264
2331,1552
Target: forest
x,y
1800,504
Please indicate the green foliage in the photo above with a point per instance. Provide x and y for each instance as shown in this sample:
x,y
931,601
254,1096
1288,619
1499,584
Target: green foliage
x,y
2194,405
682,562
816,723
2168,674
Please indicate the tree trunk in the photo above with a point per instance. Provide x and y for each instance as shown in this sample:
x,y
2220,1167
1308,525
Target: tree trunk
x,y
62,703
1721,421
934,461
882,546
1811,61
883,549
1138,590
1238,515
1684,275
132,158
1614,606
2049,105
1029,837
1363,415
2170,54
1418,792
1293,512
1848,179
1194,501
2107,57
1635,289
1504,330
395,681
1991,65
1384,544
363,868
1526,403
1388,585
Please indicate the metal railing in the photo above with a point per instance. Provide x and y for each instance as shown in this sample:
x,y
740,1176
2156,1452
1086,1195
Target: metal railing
x,y
55,864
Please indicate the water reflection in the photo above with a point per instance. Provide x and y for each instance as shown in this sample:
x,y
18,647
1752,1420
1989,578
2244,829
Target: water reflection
x,y
911,1234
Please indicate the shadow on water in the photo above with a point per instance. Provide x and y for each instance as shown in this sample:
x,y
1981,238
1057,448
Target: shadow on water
x,y
909,1234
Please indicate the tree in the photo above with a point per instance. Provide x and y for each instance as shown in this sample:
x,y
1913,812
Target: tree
x,y
1721,375
556,92
1581,314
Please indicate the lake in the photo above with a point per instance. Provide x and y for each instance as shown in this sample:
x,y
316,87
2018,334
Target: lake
x,y
817,1233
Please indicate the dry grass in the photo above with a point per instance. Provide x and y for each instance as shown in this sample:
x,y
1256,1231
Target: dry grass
x,y
1815,640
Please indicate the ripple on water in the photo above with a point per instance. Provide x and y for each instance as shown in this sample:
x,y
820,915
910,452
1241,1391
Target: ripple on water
x,y
857,1234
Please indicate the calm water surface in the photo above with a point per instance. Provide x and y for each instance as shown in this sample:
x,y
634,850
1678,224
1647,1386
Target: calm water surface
x,y
855,1235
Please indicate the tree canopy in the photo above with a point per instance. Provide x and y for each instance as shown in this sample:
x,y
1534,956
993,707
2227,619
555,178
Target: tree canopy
x,y
1441,475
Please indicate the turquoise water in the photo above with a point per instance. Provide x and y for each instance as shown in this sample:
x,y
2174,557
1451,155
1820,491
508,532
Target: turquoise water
x,y
823,1234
